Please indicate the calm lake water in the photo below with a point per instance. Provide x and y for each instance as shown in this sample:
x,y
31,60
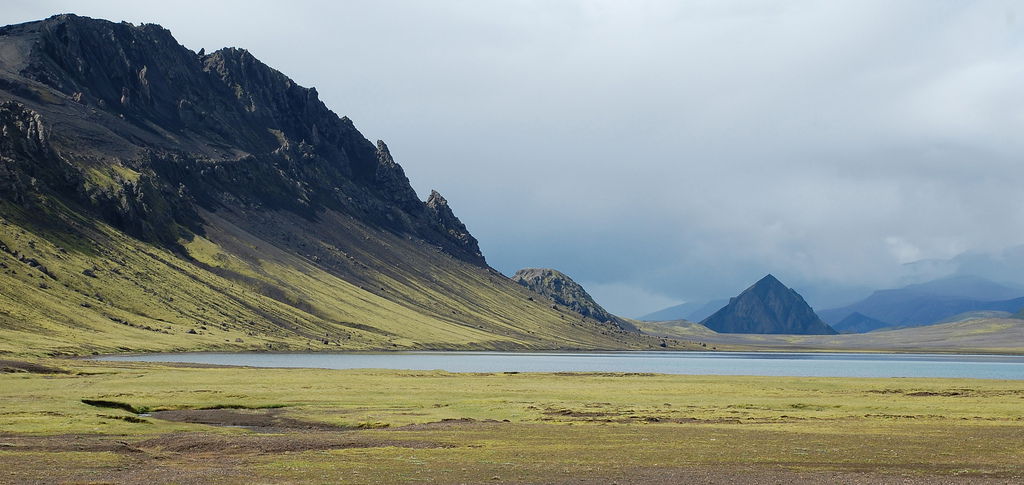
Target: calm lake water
x,y
707,363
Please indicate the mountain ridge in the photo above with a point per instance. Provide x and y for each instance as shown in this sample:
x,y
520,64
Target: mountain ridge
x,y
220,125
154,198
928,303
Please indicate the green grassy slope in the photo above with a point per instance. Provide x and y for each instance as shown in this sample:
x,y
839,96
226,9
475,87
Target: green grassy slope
x,y
72,285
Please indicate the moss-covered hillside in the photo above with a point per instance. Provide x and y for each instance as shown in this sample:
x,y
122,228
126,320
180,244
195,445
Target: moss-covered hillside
x,y
154,198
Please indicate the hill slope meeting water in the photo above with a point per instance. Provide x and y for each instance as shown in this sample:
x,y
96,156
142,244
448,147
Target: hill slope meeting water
x,y
153,198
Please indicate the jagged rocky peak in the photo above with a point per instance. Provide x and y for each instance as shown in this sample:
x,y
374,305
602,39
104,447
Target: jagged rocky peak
x,y
115,66
768,306
446,222
210,131
561,289
391,179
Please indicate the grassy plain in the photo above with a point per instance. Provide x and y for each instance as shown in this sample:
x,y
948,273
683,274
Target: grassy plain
x,y
982,336
243,425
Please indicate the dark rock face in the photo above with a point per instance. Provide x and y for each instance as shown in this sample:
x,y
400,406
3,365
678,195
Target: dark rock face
x,y
447,223
564,291
123,121
24,151
768,307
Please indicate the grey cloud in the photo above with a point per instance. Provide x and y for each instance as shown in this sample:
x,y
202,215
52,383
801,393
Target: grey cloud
x,y
669,151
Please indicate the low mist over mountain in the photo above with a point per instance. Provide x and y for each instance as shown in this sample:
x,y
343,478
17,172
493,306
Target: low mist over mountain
x,y
693,312
767,307
925,304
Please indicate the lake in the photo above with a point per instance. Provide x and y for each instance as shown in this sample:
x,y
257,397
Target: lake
x,y
704,363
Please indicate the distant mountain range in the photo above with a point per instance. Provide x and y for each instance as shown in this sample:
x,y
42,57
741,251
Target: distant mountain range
x,y
925,304
768,307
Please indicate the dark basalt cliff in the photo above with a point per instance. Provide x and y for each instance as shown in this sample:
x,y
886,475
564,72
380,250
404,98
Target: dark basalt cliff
x,y
147,132
562,290
768,307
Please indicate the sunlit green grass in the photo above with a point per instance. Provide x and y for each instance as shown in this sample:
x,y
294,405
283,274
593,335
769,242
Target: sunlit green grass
x,y
72,285
533,426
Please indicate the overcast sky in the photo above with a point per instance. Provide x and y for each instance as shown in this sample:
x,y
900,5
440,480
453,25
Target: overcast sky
x,y
669,151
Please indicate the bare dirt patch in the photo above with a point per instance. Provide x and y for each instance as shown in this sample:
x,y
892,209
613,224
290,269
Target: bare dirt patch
x,y
59,443
958,392
764,475
273,443
11,366
263,420
188,443
449,423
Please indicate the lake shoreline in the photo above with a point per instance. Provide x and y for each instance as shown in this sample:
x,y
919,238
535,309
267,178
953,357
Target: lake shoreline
x,y
778,364
773,350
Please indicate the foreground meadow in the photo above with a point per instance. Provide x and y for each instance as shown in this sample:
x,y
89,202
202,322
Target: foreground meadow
x,y
106,422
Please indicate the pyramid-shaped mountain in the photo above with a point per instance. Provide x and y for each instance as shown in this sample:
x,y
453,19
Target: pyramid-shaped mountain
x,y
768,307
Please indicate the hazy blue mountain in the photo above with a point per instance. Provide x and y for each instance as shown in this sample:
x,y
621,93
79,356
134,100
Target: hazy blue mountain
x,y
1005,265
674,312
768,307
692,311
967,286
858,322
928,303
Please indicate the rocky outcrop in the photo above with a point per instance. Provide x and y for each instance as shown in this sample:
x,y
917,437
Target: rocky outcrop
x,y
562,290
27,161
391,182
768,307
151,132
448,224
22,143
